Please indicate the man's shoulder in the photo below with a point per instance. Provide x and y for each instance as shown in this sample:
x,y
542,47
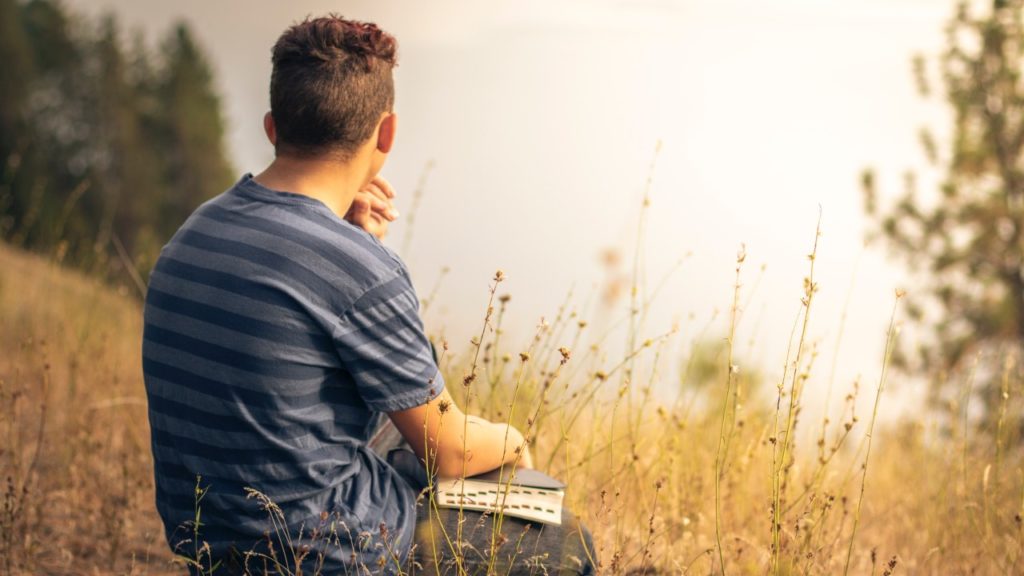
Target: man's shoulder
x,y
291,242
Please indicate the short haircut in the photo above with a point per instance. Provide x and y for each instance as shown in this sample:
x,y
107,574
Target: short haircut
x,y
331,82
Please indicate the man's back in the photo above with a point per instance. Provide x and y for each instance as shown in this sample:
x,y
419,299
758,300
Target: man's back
x,y
275,335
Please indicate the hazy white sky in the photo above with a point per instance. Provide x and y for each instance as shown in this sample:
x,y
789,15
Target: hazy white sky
x,y
542,118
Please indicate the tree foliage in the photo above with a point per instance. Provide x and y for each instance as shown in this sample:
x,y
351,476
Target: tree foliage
x,y
968,240
105,147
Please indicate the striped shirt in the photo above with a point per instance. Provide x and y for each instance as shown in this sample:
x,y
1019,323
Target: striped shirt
x,y
276,335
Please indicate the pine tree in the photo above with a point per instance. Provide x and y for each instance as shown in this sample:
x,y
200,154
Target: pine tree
x,y
194,136
15,74
968,242
15,77
51,146
130,173
104,148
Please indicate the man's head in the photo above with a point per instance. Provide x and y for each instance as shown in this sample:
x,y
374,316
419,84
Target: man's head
x,y
331,90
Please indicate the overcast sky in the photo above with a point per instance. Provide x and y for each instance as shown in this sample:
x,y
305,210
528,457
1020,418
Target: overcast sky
x,y
542,118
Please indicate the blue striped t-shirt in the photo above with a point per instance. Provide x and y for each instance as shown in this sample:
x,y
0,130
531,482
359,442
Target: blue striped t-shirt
x,y
276,335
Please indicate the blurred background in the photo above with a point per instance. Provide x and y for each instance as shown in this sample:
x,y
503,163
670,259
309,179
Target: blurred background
x,y
527,131
723,219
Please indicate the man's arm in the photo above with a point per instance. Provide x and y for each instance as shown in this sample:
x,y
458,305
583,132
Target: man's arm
x,y
439,427
458,444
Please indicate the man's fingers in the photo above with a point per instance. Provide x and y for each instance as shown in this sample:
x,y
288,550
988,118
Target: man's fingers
x,y
381,188
364,205
381,203
375,190
384,185
359,210
362,214
367,208
377,204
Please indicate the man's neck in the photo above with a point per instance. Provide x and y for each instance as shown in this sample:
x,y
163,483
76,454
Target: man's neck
x,y
329,181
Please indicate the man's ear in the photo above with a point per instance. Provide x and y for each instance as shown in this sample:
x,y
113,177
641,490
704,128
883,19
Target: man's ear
x,y
386,132
270,128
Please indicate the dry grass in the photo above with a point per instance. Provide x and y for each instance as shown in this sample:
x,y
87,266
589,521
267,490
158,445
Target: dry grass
x,y
74,439
644,470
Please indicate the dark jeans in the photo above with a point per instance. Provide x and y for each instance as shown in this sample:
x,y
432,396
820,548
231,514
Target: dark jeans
x,y
518,548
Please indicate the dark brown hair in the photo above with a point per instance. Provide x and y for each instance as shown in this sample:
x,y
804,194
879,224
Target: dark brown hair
x,y
330,83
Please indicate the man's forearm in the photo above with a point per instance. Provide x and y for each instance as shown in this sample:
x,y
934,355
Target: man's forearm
x,y
453,444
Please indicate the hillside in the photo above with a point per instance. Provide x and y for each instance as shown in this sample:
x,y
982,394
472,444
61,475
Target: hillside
x,y
78,493
74,439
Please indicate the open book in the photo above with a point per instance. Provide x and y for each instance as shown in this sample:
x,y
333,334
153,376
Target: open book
x,y
522,493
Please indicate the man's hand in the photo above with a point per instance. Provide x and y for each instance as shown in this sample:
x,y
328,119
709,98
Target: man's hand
x,y
372,208
515,440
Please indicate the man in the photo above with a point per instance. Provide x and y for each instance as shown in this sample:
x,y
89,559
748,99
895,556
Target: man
x,y
279,330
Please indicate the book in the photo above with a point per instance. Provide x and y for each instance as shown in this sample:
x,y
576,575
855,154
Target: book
x,y
520,493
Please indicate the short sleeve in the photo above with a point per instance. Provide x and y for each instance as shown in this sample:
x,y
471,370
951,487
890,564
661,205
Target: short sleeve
x,y
381,342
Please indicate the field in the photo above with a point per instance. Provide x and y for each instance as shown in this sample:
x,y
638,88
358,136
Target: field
x,y
674,488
